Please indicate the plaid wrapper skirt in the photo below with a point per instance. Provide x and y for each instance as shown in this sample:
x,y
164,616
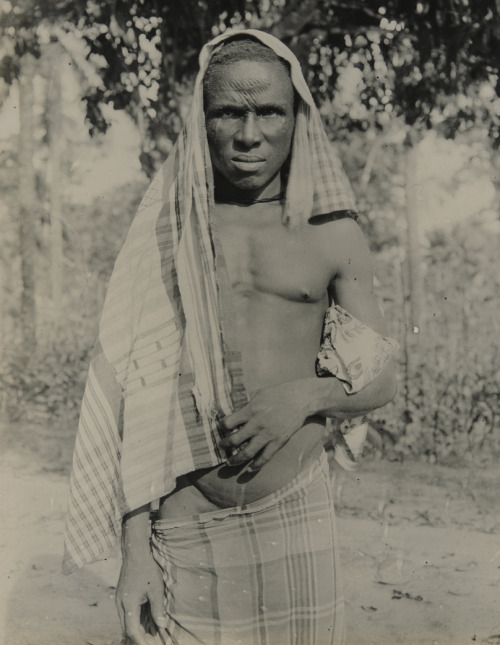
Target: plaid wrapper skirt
x,y
266,573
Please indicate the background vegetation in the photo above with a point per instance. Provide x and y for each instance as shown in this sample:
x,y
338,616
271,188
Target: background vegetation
x,y
408,90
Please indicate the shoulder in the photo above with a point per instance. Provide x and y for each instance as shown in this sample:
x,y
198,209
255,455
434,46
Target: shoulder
x,y
336,225
342,241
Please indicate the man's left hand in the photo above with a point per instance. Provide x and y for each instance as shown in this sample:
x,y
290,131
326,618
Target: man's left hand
x,y
264,425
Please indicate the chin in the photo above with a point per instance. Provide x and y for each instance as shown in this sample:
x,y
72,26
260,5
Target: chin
x,y
250,185
252,182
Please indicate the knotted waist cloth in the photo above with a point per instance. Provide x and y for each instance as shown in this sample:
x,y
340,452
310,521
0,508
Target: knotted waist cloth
x,y
265,573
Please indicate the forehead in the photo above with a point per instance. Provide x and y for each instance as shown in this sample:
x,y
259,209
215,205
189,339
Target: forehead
x,y
250,81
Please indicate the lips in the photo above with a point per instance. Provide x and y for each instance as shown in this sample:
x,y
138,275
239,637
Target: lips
x,y
248,158
248,163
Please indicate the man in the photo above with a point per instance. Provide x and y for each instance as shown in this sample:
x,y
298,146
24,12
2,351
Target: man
x,y
203,393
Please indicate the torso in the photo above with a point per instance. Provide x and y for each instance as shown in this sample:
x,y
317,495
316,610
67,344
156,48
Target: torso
x,y
279,280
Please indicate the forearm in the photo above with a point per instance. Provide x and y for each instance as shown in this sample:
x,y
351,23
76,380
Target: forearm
x,y
327,397
136,532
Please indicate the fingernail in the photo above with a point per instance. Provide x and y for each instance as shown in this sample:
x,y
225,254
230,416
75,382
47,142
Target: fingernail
x,y
247,468
161,621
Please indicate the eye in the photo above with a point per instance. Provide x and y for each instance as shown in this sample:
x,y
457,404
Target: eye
x,y
270,111
226,113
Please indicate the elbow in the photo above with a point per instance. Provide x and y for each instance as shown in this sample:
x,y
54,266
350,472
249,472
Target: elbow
x,y
388,386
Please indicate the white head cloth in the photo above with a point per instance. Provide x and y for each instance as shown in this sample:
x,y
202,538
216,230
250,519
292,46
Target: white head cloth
x,y
317,183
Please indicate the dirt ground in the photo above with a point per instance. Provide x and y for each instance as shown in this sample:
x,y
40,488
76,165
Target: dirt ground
x,y
420,546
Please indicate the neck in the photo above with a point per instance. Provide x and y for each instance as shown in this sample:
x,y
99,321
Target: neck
x,y
245,201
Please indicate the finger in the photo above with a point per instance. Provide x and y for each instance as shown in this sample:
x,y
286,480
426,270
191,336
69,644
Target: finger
x,y
253,447
121,614
236,419
133,627
158,613
240,436
264,456
163,637
247,468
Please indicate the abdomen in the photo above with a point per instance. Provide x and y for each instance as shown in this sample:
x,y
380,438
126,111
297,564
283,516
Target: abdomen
x,y
225,486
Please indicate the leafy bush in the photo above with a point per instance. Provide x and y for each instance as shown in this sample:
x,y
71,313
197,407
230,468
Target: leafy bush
x,y
448,402
49,385
46,387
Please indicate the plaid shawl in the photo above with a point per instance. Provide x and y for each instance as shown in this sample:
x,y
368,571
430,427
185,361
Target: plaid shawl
x,y
162,372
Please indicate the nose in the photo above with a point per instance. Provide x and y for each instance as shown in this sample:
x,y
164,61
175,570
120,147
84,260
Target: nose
x,y
249,133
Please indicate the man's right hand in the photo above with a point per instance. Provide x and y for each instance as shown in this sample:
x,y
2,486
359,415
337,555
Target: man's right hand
x,y
140,582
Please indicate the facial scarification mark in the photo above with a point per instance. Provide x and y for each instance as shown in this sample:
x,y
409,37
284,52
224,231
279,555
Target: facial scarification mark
x,y
240,84
246,87
250,106
240,50
242,97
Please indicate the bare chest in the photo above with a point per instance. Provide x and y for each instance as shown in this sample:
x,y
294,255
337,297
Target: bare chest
x,y
262,256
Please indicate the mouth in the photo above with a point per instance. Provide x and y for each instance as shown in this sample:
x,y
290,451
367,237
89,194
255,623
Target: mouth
x,y
248,158
248,163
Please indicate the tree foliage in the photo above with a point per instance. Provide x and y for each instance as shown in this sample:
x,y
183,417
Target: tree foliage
x,y
411,57
411,53
146,52
19,26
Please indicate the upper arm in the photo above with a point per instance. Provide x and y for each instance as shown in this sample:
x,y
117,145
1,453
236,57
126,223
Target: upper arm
x,y
351,285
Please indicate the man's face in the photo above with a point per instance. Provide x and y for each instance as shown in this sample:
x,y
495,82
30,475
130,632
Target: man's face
x,y
249,111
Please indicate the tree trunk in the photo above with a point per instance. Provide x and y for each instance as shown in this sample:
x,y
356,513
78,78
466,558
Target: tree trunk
x,y
56,181
415,311
27,204
413,207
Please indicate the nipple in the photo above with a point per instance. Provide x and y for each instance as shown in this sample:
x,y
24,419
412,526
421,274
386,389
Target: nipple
x,y
306,296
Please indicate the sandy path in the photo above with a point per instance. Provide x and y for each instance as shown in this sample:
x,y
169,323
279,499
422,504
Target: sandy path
x,y
408,578
420,585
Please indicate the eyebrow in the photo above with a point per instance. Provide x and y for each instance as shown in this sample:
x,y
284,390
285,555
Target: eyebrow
x,y
239,108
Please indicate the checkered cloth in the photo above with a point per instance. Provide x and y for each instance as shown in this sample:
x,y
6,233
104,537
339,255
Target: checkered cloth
x,y
266,573
159,379
355,354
